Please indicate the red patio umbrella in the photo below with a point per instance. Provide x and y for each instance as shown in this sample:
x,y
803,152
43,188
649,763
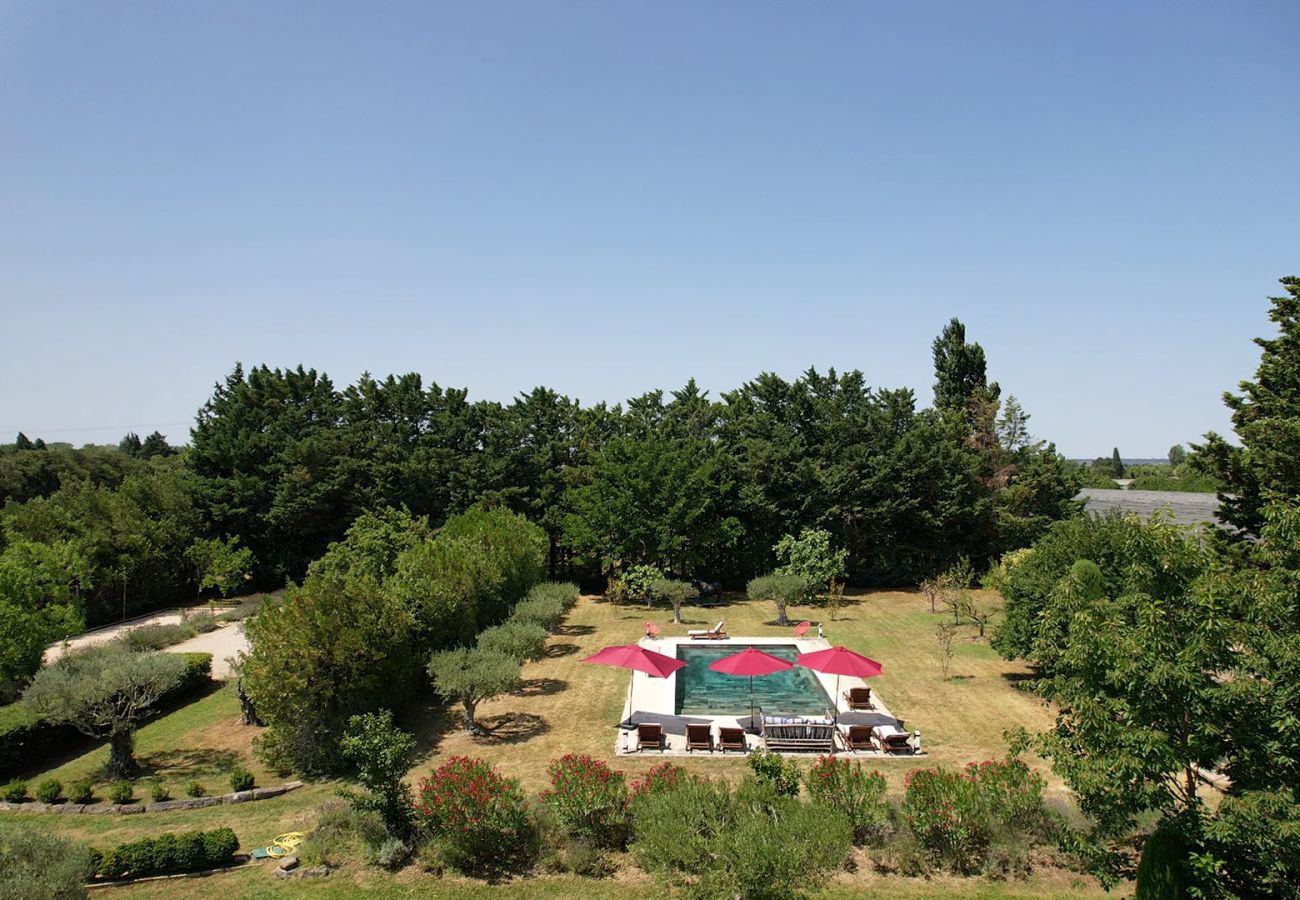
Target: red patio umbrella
x,y
634,656
751,661
839,661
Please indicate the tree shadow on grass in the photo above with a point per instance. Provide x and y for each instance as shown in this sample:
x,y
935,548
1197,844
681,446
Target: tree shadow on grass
x,y
429,721
574,630
540,687
187,763
511,728
555,651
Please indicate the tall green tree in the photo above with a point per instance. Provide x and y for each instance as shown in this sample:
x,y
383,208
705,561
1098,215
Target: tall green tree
x,y
960,370
1266,418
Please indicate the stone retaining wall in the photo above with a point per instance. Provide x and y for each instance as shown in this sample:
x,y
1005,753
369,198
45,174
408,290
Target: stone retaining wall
x,y
97,809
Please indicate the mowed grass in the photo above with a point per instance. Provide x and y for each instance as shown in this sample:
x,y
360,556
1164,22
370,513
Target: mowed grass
x,y
564,706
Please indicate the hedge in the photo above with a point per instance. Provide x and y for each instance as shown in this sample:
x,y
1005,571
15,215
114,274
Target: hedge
x,y
25,737
191,851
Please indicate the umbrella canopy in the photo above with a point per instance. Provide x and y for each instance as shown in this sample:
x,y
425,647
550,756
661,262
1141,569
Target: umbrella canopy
x,y
634,656
840,661
750,661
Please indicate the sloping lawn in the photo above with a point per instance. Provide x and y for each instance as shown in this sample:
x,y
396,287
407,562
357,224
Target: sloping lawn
x,y
564,706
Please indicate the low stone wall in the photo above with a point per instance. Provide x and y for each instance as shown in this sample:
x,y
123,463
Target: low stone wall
x,y
99,809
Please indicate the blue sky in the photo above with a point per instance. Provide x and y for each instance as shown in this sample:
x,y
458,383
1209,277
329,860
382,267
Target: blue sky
x,y
611,197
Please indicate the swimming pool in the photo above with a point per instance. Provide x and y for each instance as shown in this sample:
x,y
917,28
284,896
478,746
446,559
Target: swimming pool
x,y
701,691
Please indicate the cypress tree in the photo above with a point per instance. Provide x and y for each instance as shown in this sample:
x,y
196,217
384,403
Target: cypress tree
x,y
1116,464
1266,417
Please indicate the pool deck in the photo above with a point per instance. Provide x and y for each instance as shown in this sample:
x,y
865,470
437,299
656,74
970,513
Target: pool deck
x,y
655,700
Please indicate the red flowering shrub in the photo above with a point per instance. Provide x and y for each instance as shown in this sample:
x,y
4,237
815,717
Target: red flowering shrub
x,y
1012,793
944,811
588,799
860,795
479,816
659,778
957,816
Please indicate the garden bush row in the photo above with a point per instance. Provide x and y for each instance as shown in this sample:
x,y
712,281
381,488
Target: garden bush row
x,y
25,736
191,851
765,837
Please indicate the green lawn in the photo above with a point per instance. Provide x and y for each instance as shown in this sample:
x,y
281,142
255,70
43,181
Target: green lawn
x,y
563,706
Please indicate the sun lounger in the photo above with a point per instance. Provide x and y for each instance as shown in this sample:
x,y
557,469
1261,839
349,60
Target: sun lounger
x,y
891,739
707,634
650,734
731,739
699,737
858,698
857,737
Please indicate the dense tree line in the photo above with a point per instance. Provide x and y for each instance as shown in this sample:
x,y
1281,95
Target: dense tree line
x,y
281,464
1174,658
691,484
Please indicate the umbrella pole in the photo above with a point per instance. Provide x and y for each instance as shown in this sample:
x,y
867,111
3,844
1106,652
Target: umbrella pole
x,y
751,702
631,684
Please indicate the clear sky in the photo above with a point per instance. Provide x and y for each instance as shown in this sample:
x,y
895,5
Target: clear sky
x,y
612,197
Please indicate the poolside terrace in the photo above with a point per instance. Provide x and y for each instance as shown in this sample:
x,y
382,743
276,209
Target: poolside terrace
x,y
654,700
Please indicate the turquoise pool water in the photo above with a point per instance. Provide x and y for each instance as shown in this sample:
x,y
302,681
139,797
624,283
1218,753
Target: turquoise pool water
x,y
701,691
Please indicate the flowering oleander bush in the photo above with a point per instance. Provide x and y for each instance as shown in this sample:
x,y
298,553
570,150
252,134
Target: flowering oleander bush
x,y
859,794
478,817
985,816
1011,792
944,811
660,778
588,800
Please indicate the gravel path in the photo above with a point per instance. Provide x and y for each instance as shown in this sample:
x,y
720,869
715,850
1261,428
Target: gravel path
x,y
226,643
109,632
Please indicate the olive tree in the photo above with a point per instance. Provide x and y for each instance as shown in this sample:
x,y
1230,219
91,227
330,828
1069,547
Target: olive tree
x,y
104,692
472,675
781,588
672,591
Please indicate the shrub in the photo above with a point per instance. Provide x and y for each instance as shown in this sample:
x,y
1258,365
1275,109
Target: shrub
x,y
546,604
780,773
1162,873
382,753
660,778
158,792
944,812
49,790
37,864
588,799
340,832
155,637
860,795
194,789
518,640
167,853
479,817
80,791
121,792
241,780
392,854
749,843
14,792
1012,793
637,581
